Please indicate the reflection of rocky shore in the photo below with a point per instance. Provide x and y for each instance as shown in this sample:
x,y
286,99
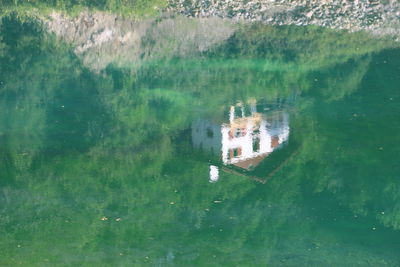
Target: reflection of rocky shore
x,y
102,38
377,17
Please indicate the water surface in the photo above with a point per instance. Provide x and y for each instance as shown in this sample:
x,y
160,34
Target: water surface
x,y
274,147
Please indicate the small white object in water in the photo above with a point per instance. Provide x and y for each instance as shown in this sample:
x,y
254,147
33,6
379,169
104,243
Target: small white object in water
x,y
214,174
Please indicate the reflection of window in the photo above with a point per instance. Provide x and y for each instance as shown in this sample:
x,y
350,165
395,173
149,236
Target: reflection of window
x,y
234,152
256,144
237,132
237,152
238,112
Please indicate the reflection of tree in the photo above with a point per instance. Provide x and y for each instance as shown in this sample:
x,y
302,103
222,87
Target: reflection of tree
x,y
306,47
45,95
341,80
351,152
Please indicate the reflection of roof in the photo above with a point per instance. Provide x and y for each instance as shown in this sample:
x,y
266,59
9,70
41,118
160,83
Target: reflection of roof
x,y
251,163
243,122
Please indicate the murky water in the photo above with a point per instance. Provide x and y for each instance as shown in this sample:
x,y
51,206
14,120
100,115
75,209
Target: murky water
x,y
277,146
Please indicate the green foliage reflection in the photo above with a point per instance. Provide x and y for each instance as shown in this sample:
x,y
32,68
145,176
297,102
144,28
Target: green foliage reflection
x,y
97,169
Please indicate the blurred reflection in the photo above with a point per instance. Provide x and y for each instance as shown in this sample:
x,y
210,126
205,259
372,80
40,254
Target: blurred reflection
x,y
253,132
214,174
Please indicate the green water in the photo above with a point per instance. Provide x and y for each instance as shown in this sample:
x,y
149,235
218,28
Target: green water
x,y
152,166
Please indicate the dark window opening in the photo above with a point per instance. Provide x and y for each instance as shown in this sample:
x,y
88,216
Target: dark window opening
x,y
256,144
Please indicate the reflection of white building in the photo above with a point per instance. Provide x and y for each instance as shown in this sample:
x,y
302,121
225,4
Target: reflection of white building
x,y
247,139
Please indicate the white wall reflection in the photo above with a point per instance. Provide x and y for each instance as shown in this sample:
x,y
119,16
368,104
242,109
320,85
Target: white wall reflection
x,y
214,174
252,133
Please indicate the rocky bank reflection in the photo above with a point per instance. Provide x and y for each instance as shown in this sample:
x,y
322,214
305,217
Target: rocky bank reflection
x,y
252,132
101,39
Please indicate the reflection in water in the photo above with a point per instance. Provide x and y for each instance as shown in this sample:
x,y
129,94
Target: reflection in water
x,y
99,168
252,134
102,39
214,173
